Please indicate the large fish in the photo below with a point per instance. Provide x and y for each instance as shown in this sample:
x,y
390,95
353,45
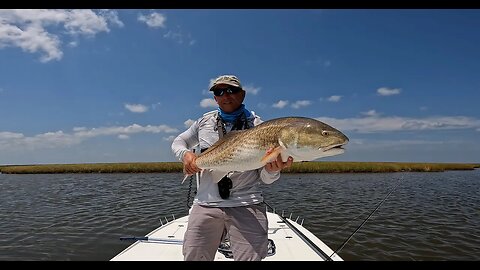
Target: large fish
x,y
305,139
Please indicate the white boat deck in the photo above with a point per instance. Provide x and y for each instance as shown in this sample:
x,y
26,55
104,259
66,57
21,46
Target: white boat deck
x,y
292,243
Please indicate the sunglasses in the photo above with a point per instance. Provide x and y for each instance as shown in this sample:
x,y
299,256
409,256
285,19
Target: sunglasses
x,y
231,90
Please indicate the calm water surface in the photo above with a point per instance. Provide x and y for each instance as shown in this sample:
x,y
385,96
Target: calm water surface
x,y
429,216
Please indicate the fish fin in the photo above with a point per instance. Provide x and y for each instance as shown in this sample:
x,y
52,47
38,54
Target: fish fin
x,y
273,155
187,175
284,156
185,178
217,175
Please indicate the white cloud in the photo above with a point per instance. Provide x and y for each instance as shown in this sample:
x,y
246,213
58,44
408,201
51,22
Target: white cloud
x,y
385,91
280,104
169,138
79,129
388,143
374,145
334,98
301,103
136,108
179,37
375,123
123,137
59,139
157,20
296,105
111,16
208,102
73,44
251,89
371,113
28,28
411,150
31,38
153,20
5,135
86,22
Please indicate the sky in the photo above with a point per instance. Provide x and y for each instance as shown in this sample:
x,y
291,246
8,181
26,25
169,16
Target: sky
x,y
94,86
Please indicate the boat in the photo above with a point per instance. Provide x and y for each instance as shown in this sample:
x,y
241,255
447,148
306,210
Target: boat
x,y
288,240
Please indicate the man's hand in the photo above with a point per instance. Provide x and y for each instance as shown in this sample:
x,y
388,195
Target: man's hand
x,y
277,165
189,166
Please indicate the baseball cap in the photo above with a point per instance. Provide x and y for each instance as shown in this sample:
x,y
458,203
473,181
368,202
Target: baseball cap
x,y
226,79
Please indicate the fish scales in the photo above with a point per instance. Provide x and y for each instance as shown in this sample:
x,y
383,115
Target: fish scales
x,y
304,139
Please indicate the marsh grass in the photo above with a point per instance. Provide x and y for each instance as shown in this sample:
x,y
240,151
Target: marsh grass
x,y
140,167
302,167
374,167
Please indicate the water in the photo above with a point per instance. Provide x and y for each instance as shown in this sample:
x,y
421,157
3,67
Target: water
x,y
65,217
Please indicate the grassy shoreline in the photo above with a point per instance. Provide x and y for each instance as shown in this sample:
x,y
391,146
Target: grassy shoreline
x,y
303,167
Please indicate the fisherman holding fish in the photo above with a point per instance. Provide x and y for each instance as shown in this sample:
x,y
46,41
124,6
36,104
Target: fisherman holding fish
x,y
234,205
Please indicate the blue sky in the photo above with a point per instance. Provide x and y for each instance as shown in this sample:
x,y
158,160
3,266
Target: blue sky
x,y
87,86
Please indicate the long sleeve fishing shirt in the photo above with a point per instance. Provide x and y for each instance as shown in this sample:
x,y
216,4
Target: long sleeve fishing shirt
x,y
246,188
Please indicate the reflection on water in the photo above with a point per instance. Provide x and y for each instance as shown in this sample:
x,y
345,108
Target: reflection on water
x,y
429,216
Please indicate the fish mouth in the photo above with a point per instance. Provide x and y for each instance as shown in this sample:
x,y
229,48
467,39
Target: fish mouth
x,y
335,146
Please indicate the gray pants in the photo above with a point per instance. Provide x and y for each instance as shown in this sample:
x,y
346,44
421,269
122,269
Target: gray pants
x,y
246,226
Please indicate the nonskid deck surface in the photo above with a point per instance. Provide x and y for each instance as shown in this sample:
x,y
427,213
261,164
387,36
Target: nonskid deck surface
x,y
292,243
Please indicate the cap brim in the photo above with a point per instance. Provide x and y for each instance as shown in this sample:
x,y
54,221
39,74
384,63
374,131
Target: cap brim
x,y
227,83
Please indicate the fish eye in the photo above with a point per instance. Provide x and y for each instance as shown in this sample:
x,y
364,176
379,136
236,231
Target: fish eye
x,y
324,133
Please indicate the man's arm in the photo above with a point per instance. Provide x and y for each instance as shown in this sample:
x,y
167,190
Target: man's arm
x,y
185,141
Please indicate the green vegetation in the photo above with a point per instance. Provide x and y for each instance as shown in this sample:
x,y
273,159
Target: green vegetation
x,y
140,167
374,167
303,167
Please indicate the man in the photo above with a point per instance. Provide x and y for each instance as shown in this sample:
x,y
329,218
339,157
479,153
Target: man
x,y
235,204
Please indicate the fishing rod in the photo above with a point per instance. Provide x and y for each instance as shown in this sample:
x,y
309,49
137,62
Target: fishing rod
x,y
152,239
360,226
